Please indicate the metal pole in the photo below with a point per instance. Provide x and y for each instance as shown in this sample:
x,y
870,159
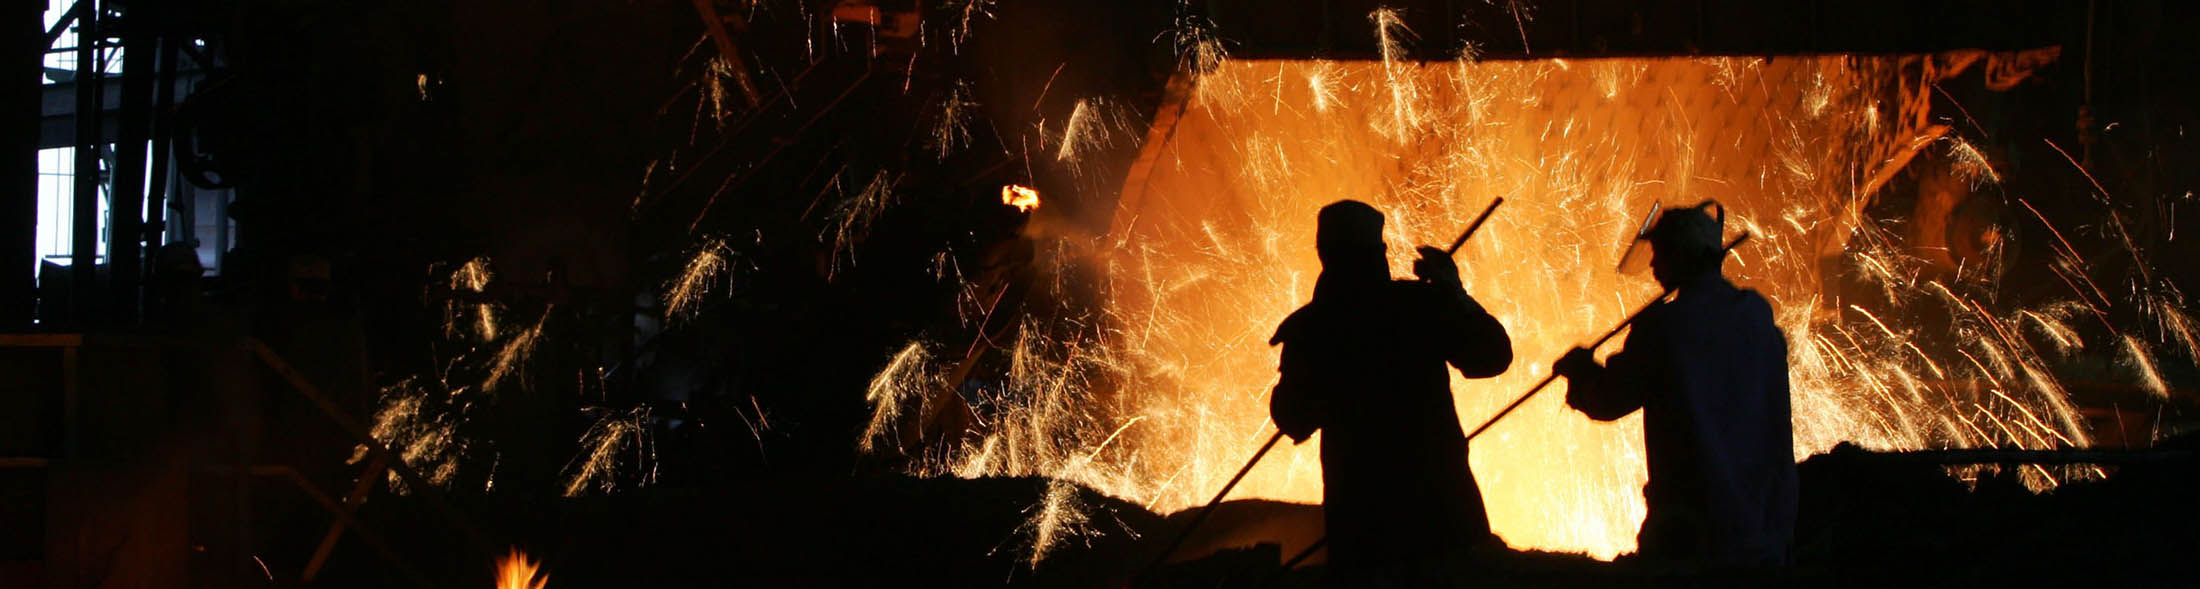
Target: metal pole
x,y
164,100
84,232
1608,335
1209,509
125,209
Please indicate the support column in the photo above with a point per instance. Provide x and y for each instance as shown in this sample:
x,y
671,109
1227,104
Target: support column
x,y
20,80
84,234
126,211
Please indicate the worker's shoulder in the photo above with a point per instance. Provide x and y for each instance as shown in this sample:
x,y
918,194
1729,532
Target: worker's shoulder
x,y
1403,290
1752,304
1293,324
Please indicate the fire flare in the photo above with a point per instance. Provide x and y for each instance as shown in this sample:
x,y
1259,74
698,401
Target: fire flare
x,y
515,571
1024,198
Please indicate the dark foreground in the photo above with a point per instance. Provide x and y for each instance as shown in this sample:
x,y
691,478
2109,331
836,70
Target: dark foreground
x,y
1869,519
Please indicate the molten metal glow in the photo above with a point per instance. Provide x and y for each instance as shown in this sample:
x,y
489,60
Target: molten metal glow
x,y
514,571
1161,398
1024,198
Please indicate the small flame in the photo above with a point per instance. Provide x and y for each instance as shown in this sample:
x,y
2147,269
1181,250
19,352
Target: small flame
x,y
515,571
1024,198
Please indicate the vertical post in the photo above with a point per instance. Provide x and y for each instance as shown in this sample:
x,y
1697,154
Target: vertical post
x,y
126,207
84,235
164,101
21,79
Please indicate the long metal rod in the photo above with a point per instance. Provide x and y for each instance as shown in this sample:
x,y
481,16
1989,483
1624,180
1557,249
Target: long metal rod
x,y
1209,509
126,189
1298,558
84,218
159,176
1472,227
1608,335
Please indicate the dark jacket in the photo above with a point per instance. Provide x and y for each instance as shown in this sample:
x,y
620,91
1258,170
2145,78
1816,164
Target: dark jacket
x,y
1367,369
1708,369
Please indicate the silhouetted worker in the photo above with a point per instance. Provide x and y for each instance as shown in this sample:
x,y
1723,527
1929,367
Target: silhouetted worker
x,y
1708,369
1364,362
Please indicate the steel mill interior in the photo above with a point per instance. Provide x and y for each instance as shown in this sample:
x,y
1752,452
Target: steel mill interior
x,y
634,293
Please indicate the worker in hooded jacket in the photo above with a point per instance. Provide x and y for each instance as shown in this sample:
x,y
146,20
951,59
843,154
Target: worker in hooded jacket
x,y
1364,363
1707,368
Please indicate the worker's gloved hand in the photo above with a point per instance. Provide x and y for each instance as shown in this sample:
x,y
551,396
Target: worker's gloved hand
x,y
1435,267
1580,361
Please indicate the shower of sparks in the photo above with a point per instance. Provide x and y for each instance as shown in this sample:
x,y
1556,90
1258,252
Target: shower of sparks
x,y
952,129
1198,50
512,358
414,422
1057,517
907,378
474,277
714,89
1094,124
2177,325
705,270
969,13
515,571
2135,354
1024,198
1321,86
1222,251
854,218
1972,165
617,434
1399,78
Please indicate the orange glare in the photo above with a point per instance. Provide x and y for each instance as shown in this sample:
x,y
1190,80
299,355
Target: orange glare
x,y
514,571
1024,198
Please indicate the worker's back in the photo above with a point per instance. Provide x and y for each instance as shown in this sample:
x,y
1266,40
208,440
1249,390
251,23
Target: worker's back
x,y
1368,369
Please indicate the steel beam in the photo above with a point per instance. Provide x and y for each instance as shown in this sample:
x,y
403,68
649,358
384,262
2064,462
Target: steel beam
x,y
1439,29
126,209
84,232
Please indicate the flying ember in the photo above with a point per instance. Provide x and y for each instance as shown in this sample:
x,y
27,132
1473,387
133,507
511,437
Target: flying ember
x,y
1024,198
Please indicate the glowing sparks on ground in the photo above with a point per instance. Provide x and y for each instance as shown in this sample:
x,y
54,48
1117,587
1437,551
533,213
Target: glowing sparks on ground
x,y
515,571
1024,198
